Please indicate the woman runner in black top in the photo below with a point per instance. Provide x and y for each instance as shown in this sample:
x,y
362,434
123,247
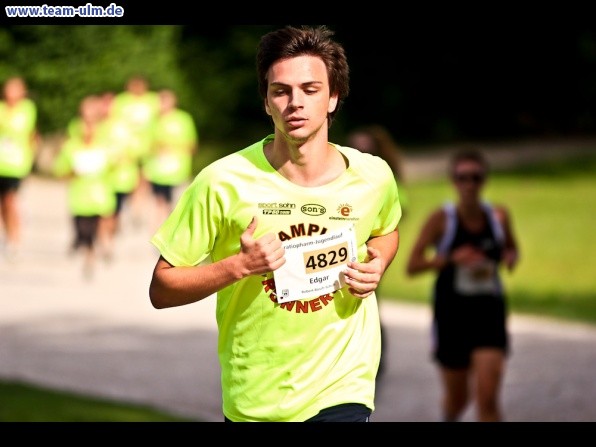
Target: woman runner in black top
x,y
469,240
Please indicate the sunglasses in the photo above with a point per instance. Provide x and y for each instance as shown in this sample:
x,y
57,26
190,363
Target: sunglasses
x,y
467,178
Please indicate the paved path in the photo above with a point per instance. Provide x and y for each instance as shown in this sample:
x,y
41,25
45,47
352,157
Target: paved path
x,y
102,337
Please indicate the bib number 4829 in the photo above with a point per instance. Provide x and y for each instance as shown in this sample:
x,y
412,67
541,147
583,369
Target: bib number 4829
x,y
319,260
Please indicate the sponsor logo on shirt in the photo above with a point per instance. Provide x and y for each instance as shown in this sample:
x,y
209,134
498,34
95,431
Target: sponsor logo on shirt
x,y
277,208
345,213
313,209
277,212
344,209
277,205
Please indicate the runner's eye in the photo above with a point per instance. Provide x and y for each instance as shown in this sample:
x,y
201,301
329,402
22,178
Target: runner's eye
x,y
476,178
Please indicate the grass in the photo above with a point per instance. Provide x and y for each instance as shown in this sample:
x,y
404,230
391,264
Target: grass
x,y
21,402
553,211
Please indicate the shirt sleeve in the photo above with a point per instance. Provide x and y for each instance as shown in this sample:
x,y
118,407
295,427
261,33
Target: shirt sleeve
x,y
390,211
188,235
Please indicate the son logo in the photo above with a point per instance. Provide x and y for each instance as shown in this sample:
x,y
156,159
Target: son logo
x,y
312,209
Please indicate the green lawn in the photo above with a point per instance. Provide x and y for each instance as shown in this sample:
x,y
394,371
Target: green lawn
x,y
554,214
21,402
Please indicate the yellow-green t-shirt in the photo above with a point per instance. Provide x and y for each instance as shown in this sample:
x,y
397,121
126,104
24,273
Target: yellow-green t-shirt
x,y
139,112
17,127
285,362
170,160
115,135
89,190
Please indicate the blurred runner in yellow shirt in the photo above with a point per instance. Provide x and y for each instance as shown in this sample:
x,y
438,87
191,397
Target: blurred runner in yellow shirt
x,y
169,163
138,108
18,118
86,161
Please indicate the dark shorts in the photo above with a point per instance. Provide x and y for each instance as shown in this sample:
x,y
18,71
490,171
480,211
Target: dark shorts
x,y
8,184
340,413
164,191
85,231
120,199
463,324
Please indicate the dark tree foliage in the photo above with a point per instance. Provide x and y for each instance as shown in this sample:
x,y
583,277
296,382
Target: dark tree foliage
x,y
478,81
425,84
64,63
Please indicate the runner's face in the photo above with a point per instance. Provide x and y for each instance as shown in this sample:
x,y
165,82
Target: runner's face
x,y
468,178
14,91
298,98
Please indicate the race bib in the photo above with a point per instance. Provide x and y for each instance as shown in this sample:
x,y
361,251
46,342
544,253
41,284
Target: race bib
x,y
479,279
89,162
10,153
314,265
140,114
168,163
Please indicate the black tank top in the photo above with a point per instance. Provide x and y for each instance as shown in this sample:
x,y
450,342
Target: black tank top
x,y
483,280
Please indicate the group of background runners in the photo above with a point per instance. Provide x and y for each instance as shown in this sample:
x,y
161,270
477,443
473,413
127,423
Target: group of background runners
x,y
133,146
